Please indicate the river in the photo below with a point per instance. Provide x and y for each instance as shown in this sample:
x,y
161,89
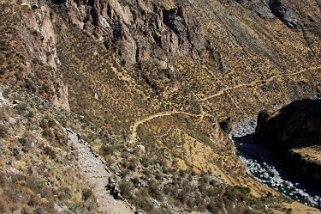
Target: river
x,y
260,164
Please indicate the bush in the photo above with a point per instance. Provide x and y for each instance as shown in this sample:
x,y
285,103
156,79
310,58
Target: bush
x,y
50,152
141,201
26,141
289,211
145,161
4,114
36,184
155,191
4,131
107,150
126,188
132,165
203,181
21,108
87,194
213,207
237,192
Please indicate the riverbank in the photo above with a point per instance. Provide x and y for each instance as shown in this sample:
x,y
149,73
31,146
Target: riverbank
x,y
262,166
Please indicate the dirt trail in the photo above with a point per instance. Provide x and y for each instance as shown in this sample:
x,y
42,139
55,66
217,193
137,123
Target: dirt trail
x,y
96,173
134,127
234,101
251,84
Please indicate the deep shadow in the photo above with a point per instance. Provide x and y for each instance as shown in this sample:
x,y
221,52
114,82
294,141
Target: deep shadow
x,y
247,148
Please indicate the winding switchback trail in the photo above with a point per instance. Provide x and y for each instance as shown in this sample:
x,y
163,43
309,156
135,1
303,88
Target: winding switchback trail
x,y
251,84
134,127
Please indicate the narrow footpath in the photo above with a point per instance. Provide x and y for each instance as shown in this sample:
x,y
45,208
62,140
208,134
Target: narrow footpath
x,y
96,173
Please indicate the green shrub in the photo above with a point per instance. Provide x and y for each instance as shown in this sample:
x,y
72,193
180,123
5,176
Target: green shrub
x,y
289,211
126,188
4,131
36,184
21,108
107,150
145,161
154,190
50,152
141,201
132,165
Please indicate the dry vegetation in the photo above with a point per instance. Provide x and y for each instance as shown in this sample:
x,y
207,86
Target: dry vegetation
x,y
37,174
178,161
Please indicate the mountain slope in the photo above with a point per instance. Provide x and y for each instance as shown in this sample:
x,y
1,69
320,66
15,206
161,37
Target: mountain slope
x,y
154,79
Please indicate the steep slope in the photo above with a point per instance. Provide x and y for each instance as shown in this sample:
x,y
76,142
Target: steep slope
x,y
38,173
154,78
294,133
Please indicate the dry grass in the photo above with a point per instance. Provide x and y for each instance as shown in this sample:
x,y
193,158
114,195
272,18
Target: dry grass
x,y
35,174
111,97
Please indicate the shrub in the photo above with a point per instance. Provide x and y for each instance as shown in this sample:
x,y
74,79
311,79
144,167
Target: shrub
x,y
48,134
243,190
4,114
132,165
4,131
145,161
144,204
36,184
154,190
87,194
213,207
50,152
237,192
26,141
126,188
289,211
21,108
60,136
107,150
203,181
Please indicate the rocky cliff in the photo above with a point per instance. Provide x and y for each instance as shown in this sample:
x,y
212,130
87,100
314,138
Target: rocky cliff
x,y
296,125
293,134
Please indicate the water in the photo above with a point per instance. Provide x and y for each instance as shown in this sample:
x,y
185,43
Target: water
x,y
262,167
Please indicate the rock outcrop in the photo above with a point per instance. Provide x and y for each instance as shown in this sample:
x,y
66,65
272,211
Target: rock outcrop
x,y
293,135
139,31
268,9
29,51
296,125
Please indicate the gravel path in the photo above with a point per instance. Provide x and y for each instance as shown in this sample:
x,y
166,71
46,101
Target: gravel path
x,y
96,173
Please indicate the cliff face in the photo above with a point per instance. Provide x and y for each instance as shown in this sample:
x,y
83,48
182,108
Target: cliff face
x,y
29,56
139,31
293,134
296,125
154,78
249,50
